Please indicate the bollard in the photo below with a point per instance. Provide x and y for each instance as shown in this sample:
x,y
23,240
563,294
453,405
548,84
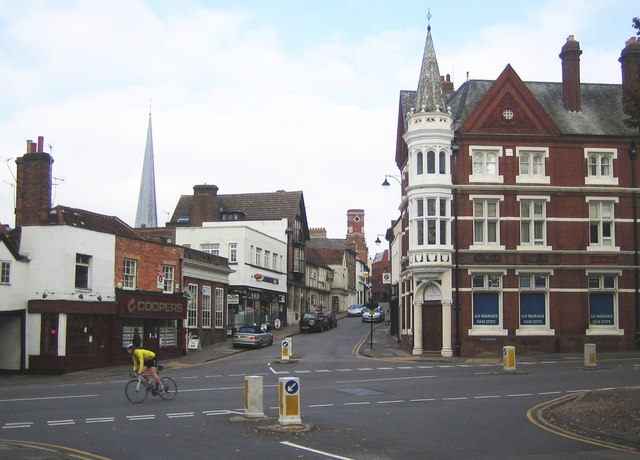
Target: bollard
x,y
590,355
509,358
290,346
286,349
253,396
289,395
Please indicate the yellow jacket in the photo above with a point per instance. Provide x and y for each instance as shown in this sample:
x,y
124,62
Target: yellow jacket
x,y
139,356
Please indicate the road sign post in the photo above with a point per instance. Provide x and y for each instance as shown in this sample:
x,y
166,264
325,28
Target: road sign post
x,y
289,397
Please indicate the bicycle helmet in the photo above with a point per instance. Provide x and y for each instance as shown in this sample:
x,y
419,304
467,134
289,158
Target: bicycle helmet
x,y
130,346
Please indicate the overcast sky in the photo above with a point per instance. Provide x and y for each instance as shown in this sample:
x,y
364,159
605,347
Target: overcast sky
x,y
257,96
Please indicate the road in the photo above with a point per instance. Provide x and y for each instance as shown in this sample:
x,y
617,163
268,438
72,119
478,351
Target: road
x,y
358,408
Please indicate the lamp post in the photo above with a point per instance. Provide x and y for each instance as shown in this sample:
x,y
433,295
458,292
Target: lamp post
x,y
386,183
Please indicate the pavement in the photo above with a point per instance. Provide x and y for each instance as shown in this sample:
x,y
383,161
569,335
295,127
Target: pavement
x,y
379,346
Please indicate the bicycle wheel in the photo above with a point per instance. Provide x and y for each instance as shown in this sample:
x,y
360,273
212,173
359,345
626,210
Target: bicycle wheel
x,y
170,389
136,391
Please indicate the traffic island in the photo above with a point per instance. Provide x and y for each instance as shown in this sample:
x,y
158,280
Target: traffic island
x,y
243,419
294,429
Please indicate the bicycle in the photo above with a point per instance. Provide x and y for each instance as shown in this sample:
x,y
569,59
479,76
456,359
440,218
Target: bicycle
x,y
138,388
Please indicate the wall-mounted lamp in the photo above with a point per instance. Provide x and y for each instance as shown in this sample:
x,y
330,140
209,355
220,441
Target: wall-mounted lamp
x,y
80,296
97,295
378,240
46,293
386,183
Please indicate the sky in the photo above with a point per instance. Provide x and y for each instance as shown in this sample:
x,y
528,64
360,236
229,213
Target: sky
x,y
259,95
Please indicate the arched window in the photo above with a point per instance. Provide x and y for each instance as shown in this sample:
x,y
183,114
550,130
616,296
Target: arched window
x,y
431,162
442,163
419,163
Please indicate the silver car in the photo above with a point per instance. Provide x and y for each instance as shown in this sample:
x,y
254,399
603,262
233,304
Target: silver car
x,y
355,310
251,336
378,315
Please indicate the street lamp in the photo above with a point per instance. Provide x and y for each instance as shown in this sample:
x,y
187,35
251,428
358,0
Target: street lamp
x,y
386,183
378,240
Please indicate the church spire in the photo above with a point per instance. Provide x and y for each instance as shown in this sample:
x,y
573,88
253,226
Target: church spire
x,y
429,95
146,216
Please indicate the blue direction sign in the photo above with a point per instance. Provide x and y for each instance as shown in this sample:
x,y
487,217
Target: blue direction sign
x,y
291,387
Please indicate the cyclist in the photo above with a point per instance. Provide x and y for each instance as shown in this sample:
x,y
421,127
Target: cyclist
x,y
144,360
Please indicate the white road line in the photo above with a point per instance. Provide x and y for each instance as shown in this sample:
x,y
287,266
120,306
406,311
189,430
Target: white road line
x,y
189,378
181,415
344,370
60,422
519,394
320,405
323,370
389,378
422,399
46,398
302,372
99,420
308,449
391,402
455,399
212,376
364,403
550,393
12,425
135,418
364,369
384,368
405,367
424,367
487,397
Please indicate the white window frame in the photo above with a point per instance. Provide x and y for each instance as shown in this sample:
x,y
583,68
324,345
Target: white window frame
x,y
219,308
5,272
484,244
598,171
129,274
483,153
613,329
233,253
211,248
533,277
600,221
192,306
492,329
532,219
169,276
531,176
83,262
426,217
275,266
259,257
206,307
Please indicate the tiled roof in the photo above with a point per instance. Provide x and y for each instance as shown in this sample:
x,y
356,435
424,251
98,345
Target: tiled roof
x,y
63,215
601,106
331,251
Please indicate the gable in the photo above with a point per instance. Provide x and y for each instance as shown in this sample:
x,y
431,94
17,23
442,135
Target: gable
x,y
509,107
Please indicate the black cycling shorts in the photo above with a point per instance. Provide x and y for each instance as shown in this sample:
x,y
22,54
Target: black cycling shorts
x,y
151,363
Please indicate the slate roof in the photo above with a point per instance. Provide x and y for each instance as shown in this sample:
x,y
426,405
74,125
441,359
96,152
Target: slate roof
x,y
63,215
601,112
331,251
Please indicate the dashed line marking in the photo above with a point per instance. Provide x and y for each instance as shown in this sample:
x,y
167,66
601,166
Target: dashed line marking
x,y
135,418
100,420
487,397
12,425
60,422
181,415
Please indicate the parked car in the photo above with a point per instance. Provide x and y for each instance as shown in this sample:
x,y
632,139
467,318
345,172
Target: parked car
x,y
252,336
355,310
313,321
332,319
378,315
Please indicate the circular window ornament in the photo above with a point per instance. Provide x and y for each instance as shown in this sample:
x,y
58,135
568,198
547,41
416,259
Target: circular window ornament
x,y
356,219
507,114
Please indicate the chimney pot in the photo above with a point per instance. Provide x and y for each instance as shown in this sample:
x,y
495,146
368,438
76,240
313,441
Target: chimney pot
x,y
40,144
570,56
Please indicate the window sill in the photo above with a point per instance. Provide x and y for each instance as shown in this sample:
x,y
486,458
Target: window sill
x,y
533,248
486,247
487,331
611,330
600,181
490,179
603,249
535,331
533,180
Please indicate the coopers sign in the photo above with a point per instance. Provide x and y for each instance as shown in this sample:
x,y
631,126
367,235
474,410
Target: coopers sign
x,y
141,305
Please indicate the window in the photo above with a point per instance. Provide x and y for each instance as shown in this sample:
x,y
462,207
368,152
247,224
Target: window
x,y
129,274
432,221
419,163
206,306
83,271
442,163
298,260
485,166
431,162
169,276
219,319
603,304
275,265
5,272
600,166
601,229
534,304
532,165
211,248
487,304
485,221
233,252
192,306
259,257
533,222
267,259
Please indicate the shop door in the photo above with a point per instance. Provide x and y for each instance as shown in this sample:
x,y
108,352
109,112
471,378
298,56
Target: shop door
x,y
432,326
151,340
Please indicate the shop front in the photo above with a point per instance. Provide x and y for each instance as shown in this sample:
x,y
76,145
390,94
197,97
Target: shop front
x,y
253,306
155,319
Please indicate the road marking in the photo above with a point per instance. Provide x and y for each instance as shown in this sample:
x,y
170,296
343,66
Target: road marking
x,y
302,372
323,453
384,368
364,369
363,403
46,398
12,425
550,393
100,420
519,394
422,399
60,422
135,418
487,397
344,370
389,378
181,414
455,399
320,405
212,376
323,370
391,402
190,378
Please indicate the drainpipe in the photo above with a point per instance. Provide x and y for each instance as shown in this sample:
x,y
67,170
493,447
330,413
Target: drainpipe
x,y
455,149
633,153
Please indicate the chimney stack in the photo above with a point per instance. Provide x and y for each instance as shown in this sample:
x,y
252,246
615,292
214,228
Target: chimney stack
x,y
205,205
570,56
34,179
630,60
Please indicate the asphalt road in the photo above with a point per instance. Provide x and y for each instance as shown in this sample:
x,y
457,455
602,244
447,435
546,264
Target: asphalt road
x,y
352,408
